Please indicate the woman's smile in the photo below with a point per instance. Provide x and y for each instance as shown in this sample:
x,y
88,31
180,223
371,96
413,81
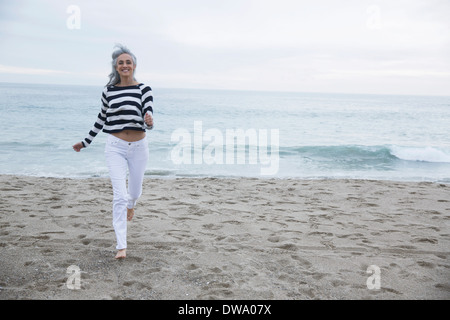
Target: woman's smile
x,y
125,66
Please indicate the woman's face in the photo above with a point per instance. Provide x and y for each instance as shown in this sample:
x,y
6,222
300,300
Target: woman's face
x,y
125,66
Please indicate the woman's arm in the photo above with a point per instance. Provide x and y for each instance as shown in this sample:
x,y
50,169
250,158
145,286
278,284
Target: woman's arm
x,y
98,125
147,107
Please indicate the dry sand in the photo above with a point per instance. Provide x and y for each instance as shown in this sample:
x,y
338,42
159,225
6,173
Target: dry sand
x,y
226,239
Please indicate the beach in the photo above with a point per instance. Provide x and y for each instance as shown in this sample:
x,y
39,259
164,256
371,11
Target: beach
x,y
234,238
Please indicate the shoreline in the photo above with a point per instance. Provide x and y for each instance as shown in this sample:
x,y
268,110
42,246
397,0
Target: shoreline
x,y
227,238
212,177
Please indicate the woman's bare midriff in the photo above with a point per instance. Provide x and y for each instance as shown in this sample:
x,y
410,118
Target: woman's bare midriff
x,y
130,135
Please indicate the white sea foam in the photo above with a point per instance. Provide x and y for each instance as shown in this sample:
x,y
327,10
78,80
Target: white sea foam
x,y
425,154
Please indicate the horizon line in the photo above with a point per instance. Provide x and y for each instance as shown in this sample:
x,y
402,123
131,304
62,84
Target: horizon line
x,y
239,90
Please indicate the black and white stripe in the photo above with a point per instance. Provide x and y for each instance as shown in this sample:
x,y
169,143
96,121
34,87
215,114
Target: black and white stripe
x,y
123,108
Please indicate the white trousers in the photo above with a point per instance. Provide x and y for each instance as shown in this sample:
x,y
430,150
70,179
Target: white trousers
x,y
122,156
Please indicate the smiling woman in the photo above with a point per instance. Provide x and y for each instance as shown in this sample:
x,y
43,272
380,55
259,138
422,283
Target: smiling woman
x,y
127,108
123,64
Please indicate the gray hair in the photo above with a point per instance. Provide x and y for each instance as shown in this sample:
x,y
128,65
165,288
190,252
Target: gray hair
x,y
114,77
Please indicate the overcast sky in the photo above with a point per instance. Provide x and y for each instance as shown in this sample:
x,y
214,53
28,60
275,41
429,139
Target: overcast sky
x,y
349,46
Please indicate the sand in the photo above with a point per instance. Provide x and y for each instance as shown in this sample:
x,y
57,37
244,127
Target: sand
x,y
259,239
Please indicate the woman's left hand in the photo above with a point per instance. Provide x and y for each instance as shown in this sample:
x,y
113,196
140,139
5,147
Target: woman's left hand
x,y
148,119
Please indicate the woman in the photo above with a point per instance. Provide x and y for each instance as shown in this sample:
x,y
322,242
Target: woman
x,y
126,113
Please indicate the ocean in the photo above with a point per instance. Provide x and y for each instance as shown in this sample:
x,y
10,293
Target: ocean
x,y
220,133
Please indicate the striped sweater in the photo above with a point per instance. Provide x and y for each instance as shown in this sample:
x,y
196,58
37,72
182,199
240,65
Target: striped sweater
x,y
123,108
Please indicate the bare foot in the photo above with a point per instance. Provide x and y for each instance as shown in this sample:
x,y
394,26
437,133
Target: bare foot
x,y
121,254
130,214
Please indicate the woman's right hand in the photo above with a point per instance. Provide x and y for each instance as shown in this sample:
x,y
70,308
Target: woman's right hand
x,y
78,146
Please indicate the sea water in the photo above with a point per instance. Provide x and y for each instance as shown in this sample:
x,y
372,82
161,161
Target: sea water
x,y
306,135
